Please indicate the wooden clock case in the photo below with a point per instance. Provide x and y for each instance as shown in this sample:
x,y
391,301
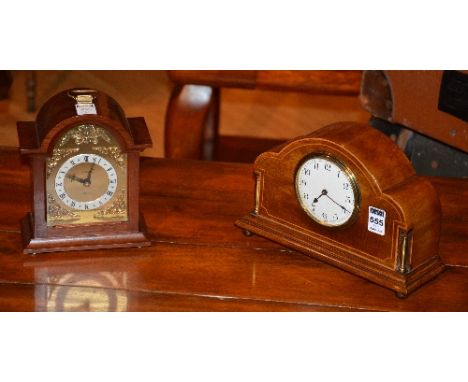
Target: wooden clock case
x,y
404,258
36,140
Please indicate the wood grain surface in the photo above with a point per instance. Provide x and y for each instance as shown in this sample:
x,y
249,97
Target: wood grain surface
x,y
346,82
199,261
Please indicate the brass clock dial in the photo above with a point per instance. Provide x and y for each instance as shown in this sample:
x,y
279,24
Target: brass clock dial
x,y
327,190
86,182
86,178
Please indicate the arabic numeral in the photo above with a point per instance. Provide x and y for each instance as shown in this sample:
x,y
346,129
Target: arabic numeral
x,y
327,166
345,186
110,193
376,221
62,196
306,196
316,165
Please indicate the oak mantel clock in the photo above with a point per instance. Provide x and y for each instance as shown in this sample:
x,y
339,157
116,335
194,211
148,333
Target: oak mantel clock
x,y
84,156
347,195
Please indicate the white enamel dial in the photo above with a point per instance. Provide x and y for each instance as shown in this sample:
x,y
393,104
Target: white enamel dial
x,y
327,191
86,182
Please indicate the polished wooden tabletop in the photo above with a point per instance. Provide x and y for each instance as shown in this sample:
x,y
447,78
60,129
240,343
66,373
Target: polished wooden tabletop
x,y
199,261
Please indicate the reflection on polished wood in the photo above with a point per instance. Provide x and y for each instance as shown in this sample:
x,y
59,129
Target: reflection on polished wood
x,y
60,290
200,261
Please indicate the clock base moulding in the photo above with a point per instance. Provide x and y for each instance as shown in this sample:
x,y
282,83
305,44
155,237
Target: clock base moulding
x,y
402,284
33,245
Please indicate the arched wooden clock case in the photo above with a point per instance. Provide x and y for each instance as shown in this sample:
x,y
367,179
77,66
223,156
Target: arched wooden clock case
x,y
83,125
402,257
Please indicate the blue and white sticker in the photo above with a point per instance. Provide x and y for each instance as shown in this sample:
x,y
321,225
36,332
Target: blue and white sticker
x,y
376,221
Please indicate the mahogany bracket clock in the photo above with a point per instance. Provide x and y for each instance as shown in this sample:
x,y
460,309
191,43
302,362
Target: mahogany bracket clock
x,y
84,156
347,195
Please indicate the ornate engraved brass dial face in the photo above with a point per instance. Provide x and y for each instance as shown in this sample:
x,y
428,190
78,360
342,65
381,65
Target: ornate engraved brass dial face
x,y
86,178
86,181
327,191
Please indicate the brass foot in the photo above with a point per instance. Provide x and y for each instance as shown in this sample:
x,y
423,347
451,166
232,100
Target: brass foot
x,y
247,232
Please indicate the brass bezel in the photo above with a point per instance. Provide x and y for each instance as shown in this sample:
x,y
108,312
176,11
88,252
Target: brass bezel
x,y
352,179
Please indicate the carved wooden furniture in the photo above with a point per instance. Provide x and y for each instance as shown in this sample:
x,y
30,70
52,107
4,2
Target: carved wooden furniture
x,y
426,110
192,117
432,102
84,156
200,261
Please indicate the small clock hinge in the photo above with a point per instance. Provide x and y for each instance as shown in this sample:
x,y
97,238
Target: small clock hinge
x,y
404,250
258,178
83,96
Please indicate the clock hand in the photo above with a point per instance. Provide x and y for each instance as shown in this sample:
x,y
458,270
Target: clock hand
x,y
324,192
74,177
87,181
337,203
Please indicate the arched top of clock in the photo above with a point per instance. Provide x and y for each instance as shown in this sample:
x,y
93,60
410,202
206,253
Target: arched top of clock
x,y
383,163
59,113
